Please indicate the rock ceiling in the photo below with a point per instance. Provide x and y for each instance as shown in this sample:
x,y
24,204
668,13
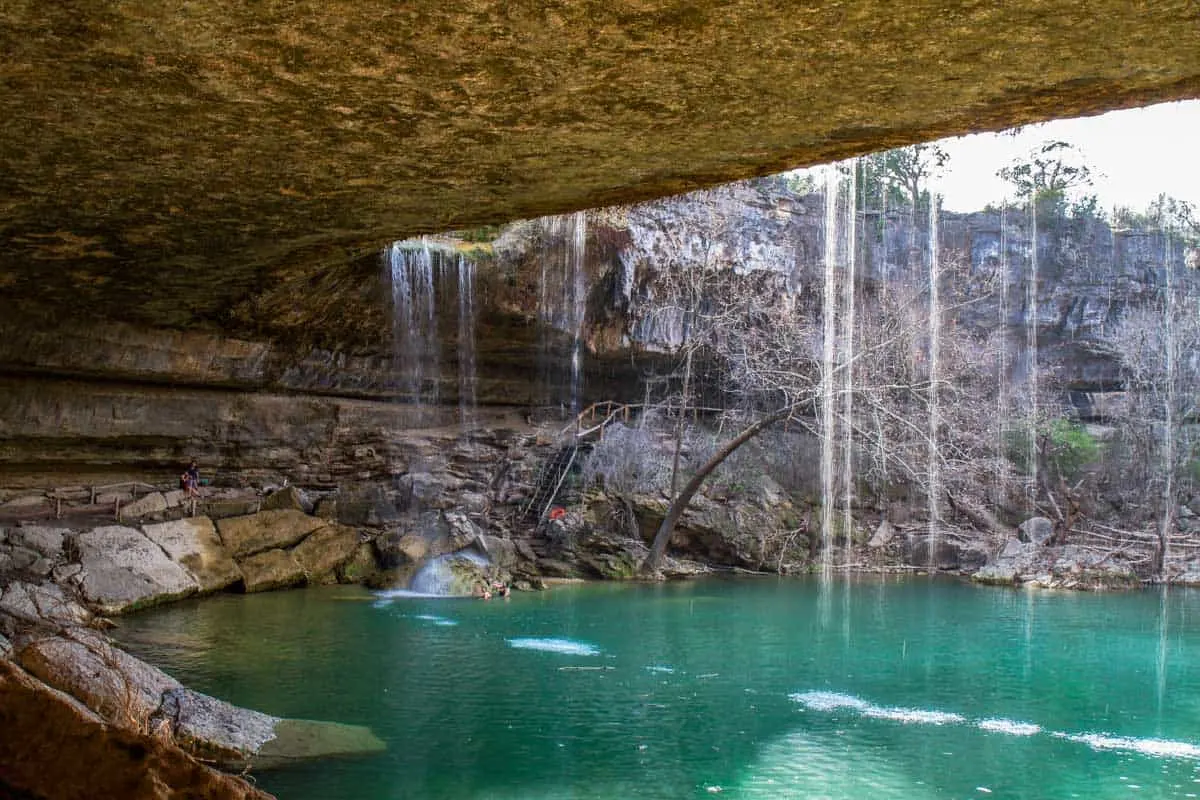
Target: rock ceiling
x,y
165,162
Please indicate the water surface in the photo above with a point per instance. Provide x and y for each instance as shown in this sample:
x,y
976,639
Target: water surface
x,y
881,688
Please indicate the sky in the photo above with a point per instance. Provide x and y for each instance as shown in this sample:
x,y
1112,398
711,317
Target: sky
x,y
1133,155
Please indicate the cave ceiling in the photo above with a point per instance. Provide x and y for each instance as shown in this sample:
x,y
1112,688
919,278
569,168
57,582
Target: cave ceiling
x,y
167,161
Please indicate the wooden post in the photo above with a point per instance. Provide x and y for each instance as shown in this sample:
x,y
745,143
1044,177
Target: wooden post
x,y
117,508
58,507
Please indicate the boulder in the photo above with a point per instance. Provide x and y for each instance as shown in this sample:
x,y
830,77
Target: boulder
x,y
55,747
266,530
934,552
46,602
237,738
67,573
396,549
153,503
175,498
235,507
45,540
109,681
996,574
501,552
271,569
288,498
16,559
324,550
361,567
1037,530
214,730
193,544
461,530
133,695
125,570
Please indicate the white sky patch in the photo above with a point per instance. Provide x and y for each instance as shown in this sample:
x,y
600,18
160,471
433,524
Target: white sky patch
x,y
1133,155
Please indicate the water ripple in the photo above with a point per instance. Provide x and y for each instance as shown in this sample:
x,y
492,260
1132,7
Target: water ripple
x,y
567,647
834,701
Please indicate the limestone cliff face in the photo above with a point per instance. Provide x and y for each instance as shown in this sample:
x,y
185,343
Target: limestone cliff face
x,y
311,399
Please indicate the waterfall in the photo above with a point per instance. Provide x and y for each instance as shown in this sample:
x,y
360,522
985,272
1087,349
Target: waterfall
x,y
935,345
421,273
414,320
450,575
466,342
828,353
850,218
1169,404
562,304
1002,376
837,355
1031,352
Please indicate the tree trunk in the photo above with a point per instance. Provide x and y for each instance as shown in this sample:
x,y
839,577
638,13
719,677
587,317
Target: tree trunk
x,y
680,503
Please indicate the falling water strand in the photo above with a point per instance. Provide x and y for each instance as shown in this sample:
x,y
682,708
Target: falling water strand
x,y
1169,404
1031,350
1002,376
562,297
828,353
935,344
885,273
466,341
414,320
850,250
576,256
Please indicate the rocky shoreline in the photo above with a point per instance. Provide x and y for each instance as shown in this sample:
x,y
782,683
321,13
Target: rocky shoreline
x,y
61,581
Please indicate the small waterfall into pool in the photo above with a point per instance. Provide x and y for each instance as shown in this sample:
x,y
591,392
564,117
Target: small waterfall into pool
x,y
449,575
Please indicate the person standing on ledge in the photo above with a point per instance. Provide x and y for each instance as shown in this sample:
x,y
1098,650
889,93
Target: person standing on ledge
x,y
191,479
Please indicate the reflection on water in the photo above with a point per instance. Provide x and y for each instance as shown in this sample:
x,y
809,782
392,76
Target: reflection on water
x,y
883,688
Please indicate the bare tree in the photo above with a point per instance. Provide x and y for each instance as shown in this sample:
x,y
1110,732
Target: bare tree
x,y
1158,347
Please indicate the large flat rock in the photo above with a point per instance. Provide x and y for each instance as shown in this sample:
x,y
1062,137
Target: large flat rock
x,y
194,544
254,533
324,550
124,570
271,569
